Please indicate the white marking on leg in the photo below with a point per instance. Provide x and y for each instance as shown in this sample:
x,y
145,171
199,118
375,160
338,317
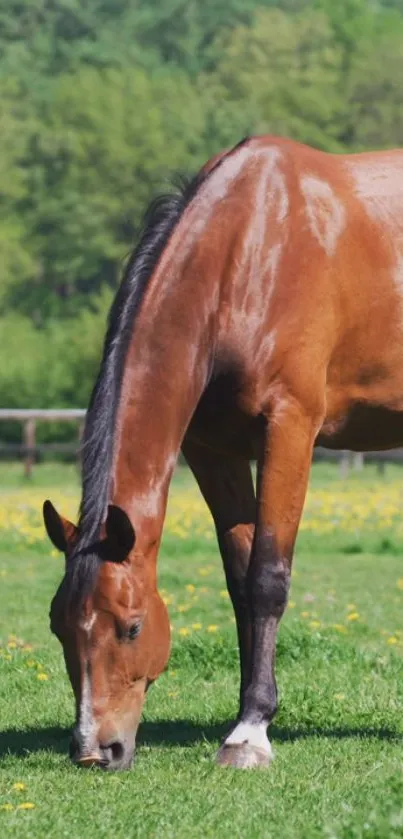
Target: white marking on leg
x,y
253,735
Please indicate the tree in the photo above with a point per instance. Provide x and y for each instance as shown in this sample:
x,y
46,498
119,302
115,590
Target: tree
x,y
280,76
375,94
49,37
17,263
107,140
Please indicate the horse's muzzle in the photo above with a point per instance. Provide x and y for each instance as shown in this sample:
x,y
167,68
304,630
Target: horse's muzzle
x,y
90,761
111,756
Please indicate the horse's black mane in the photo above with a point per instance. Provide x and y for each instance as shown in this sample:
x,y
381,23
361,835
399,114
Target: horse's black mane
x,y
97,454
159,222
97,451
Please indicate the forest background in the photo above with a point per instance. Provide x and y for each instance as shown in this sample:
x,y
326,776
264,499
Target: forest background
x,y
102,101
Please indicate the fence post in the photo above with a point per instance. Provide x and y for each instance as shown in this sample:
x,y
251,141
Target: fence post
x,y
29,443
358,460
81,425
344,465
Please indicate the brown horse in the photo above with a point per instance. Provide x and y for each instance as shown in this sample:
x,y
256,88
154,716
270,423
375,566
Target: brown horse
x,y
261,314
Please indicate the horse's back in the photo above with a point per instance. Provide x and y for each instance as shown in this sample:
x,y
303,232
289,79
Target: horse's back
x,y
317,309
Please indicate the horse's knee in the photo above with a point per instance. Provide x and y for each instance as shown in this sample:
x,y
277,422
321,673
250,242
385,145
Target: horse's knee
x,y
268,579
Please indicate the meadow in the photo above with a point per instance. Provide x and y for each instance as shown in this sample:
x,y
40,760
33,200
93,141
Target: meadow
x,y
338,736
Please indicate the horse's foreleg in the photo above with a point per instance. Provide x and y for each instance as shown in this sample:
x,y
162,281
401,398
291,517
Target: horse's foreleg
x,y
283,472
227,486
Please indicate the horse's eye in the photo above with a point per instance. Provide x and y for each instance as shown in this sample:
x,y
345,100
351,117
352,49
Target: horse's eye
x,y
133,631
125,633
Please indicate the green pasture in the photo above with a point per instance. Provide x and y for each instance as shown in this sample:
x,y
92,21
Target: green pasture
x,y
338,737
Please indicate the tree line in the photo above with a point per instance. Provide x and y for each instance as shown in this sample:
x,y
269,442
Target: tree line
x,y
102,100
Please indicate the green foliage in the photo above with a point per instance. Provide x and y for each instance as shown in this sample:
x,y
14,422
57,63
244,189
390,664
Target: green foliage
x,y
277,74
16,261
95,163
54,366
101,101
375,92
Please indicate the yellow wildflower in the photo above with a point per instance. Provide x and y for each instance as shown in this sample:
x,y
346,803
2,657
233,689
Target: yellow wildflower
x,y
339,627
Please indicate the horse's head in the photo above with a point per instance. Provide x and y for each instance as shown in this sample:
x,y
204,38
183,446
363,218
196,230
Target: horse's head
x,y
114,630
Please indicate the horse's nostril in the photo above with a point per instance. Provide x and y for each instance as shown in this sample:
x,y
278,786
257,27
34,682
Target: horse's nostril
x,y
114,751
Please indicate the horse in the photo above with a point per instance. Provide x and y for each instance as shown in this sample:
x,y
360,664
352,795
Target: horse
x,y
260,315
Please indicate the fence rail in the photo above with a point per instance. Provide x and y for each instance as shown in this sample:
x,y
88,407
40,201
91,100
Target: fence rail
x,y
28,449
29,418
49,414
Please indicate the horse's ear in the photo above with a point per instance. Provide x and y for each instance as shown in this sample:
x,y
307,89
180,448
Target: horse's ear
x,y
119,532
60,530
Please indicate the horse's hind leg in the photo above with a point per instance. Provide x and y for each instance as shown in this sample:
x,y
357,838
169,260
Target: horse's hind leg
x,y
227,486
283,472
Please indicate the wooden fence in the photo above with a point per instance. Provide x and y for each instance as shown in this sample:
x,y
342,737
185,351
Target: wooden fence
x,y
29,448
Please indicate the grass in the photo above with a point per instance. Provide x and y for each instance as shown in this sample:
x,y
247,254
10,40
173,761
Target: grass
x,y
338,736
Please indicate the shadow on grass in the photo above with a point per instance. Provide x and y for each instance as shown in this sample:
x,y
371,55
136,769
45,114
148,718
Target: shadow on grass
x,y
186,733
167,733
23,742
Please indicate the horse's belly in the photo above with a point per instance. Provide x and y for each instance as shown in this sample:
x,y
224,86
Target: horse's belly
x,y
363,428
360,419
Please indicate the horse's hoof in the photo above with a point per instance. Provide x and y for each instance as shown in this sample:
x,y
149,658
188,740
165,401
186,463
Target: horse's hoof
x,y
243,756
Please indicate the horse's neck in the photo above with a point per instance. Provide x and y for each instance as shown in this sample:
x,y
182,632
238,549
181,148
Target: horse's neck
x,y
166,370
172,351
